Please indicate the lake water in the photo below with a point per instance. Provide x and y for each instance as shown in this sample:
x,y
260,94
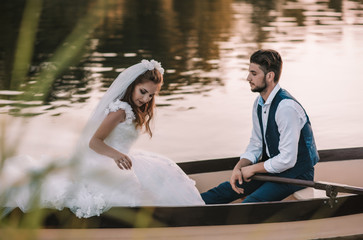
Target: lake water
x,y
204,108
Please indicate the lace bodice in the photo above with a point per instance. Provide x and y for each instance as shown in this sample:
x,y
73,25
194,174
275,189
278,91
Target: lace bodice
x,y
125,133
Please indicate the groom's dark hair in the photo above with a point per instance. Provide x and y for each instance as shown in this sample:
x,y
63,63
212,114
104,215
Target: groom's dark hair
x,y
269,61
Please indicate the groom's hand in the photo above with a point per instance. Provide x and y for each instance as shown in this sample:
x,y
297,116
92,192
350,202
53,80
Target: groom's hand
x,y
236,177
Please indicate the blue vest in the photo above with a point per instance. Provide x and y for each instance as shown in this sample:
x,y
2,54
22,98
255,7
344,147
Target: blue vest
x,y
307,155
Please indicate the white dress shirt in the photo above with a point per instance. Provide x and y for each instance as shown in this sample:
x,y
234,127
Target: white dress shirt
x,y
290,119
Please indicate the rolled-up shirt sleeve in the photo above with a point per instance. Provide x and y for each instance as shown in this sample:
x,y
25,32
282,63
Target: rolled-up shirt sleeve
x,y
290,119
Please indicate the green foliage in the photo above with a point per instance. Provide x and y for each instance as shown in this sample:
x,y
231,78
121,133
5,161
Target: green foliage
x,y
67,53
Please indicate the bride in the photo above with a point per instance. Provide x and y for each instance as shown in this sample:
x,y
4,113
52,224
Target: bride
x,y
104,172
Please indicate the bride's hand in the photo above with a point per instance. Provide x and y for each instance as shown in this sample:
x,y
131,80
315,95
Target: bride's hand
x,y
123,162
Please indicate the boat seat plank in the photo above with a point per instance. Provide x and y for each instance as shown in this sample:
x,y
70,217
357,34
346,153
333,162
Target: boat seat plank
x,y
309,193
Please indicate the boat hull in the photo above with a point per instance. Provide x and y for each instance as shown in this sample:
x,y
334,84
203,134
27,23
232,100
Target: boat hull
x,y
211,215
345,227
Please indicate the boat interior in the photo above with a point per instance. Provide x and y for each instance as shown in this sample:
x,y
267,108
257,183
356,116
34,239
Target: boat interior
x,y
345,173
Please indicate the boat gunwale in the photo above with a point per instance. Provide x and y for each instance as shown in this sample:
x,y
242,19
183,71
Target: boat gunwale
x,y
228,163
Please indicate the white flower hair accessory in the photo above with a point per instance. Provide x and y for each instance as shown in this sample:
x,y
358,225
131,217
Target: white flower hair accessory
x,y
150,65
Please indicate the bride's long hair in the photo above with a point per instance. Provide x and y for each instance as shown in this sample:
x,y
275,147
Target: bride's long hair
x,y
145,113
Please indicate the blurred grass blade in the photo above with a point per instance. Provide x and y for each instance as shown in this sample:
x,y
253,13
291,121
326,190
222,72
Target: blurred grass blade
x,y
69,52
25,44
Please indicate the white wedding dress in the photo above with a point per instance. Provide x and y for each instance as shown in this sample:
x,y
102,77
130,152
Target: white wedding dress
x,y
95,183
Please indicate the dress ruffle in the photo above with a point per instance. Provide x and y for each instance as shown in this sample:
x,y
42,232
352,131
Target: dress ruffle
x,y
117,105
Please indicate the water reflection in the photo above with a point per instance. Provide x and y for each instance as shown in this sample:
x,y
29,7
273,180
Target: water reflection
x,y
204,46
183,35
189,37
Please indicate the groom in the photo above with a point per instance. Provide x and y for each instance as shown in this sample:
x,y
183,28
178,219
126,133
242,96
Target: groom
x,y
282,141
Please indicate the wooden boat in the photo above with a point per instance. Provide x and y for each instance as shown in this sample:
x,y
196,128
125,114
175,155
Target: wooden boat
x,y
319,203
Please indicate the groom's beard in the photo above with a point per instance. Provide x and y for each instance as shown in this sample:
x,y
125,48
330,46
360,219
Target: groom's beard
x,y
262,87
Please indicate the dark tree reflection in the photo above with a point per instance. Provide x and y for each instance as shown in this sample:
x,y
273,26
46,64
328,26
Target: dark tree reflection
x,y
185,35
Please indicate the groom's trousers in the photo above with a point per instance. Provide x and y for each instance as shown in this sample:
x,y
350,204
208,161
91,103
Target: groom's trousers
x,y
254,191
